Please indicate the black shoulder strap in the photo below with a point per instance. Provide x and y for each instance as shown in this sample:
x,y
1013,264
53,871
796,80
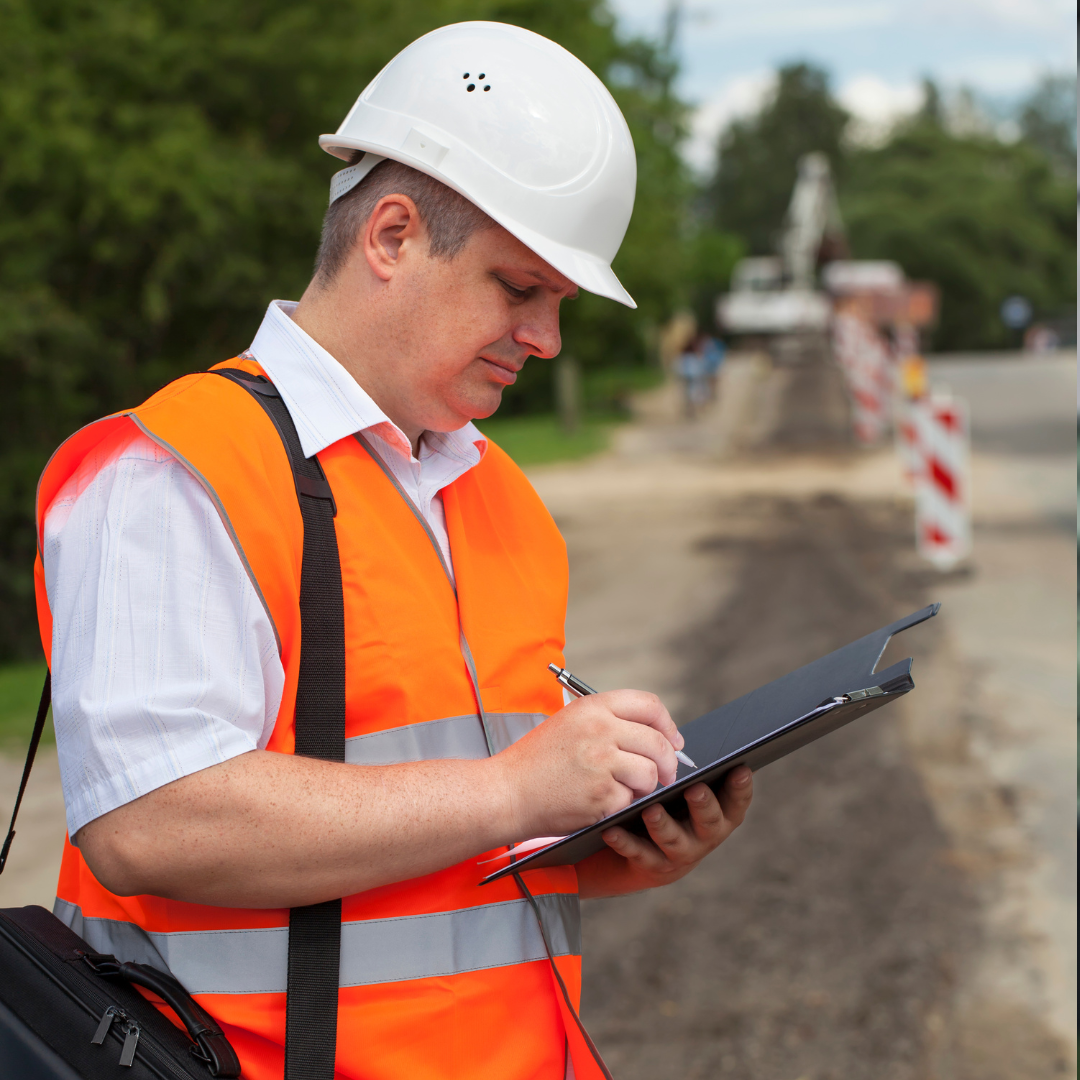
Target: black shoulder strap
x,y
31,753
315,931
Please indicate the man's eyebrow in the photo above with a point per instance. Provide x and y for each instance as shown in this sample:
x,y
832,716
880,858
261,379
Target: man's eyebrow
x,y
544,279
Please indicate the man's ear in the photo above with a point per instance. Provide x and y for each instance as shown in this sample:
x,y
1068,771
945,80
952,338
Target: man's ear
x,y
394,224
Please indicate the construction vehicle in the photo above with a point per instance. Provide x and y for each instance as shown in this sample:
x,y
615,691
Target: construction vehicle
x,y
775,298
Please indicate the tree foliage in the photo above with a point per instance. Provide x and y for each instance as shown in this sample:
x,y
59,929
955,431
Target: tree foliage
x,y
1048,120
757,156
981,218
160,182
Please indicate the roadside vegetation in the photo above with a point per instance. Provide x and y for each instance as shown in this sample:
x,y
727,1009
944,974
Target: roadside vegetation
x,y
541,439
20,693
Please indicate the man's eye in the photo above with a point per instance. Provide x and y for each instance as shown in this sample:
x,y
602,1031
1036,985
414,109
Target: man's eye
x,y
517,294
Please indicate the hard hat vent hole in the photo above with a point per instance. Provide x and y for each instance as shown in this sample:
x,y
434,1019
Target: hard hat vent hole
x,y
479,78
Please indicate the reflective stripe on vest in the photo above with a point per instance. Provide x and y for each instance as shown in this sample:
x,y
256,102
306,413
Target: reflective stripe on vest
x,y
372,950
460,737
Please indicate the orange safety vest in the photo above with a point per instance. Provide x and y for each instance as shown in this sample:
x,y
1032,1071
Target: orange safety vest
x,y
439,978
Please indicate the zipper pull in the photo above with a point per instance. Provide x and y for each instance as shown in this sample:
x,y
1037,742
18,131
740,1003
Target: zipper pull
x,y
103,1027
131,1040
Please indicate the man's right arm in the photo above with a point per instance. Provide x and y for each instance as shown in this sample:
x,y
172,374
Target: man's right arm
x,y
274,830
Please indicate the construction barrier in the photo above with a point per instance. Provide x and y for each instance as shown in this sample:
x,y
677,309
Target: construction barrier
x,y
864,359
943,482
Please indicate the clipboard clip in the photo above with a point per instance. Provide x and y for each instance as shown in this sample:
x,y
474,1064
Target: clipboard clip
x,y
862,695
854,695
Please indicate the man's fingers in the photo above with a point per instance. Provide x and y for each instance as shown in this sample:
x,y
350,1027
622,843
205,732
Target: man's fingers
x,y
637,772
673,839
707,817
648,743
645,855
675,847
736,794
640,707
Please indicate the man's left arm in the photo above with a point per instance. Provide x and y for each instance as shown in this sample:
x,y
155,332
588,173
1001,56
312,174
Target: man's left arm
x,y
631,863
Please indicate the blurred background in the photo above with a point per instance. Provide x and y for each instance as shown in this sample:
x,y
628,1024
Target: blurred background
x,y
902,901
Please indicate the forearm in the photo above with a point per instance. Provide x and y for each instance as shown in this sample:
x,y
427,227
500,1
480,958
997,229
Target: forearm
x,y
273,830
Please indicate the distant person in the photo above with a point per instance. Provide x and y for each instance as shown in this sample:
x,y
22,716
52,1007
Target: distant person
x,y
1041,339
699,368
691,369
713,352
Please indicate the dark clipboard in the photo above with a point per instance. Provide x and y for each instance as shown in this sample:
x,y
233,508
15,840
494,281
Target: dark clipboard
x,y
756,729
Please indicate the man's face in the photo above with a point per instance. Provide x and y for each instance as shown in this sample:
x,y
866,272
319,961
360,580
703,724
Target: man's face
x,y
468,325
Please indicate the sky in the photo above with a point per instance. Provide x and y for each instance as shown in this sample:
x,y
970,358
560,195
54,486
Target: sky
x,y
877,51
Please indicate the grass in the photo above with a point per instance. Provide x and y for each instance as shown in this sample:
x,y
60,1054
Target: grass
x,y
20,692
537,440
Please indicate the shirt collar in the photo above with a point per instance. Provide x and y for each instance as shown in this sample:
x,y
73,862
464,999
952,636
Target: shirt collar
x,y
327,403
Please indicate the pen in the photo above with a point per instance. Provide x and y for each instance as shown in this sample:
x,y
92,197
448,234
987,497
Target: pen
x,y
582,689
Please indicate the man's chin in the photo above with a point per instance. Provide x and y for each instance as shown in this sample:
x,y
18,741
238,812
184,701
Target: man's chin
x,y
486,403
476,407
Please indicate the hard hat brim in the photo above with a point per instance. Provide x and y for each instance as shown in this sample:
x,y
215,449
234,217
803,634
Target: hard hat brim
x,y
587,271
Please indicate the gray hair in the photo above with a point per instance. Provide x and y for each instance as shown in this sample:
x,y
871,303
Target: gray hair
x,y
450,218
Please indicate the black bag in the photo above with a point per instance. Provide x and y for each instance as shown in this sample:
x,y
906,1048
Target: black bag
x,y
69,1013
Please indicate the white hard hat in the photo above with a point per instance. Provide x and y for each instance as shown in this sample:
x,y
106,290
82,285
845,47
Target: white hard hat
x,y
517,125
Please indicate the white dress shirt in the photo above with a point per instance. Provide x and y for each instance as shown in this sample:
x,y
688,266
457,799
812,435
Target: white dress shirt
x,y
164,661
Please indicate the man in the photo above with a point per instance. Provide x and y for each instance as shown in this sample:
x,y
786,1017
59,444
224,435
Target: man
x,y
169,585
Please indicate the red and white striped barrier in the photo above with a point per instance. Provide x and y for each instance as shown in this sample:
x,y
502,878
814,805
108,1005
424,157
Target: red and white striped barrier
x,y
864,359
943,482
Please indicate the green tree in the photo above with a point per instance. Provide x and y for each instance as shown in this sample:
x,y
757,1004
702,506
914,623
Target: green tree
x,y
1048,120
160,182
981,218
711,256
757,157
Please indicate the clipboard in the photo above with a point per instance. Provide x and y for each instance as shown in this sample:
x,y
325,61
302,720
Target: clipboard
x,y
756,729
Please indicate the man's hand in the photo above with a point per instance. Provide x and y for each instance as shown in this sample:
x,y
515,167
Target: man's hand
x,y
632,863
589,760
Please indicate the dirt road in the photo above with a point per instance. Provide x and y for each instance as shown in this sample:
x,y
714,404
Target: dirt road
x,y
853,928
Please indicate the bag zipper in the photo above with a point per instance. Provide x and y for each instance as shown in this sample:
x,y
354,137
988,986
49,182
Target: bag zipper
x,y
110,1014
131,1040
131,1031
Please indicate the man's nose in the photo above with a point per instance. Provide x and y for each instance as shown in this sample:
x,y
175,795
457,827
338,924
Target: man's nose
x,y
539,331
